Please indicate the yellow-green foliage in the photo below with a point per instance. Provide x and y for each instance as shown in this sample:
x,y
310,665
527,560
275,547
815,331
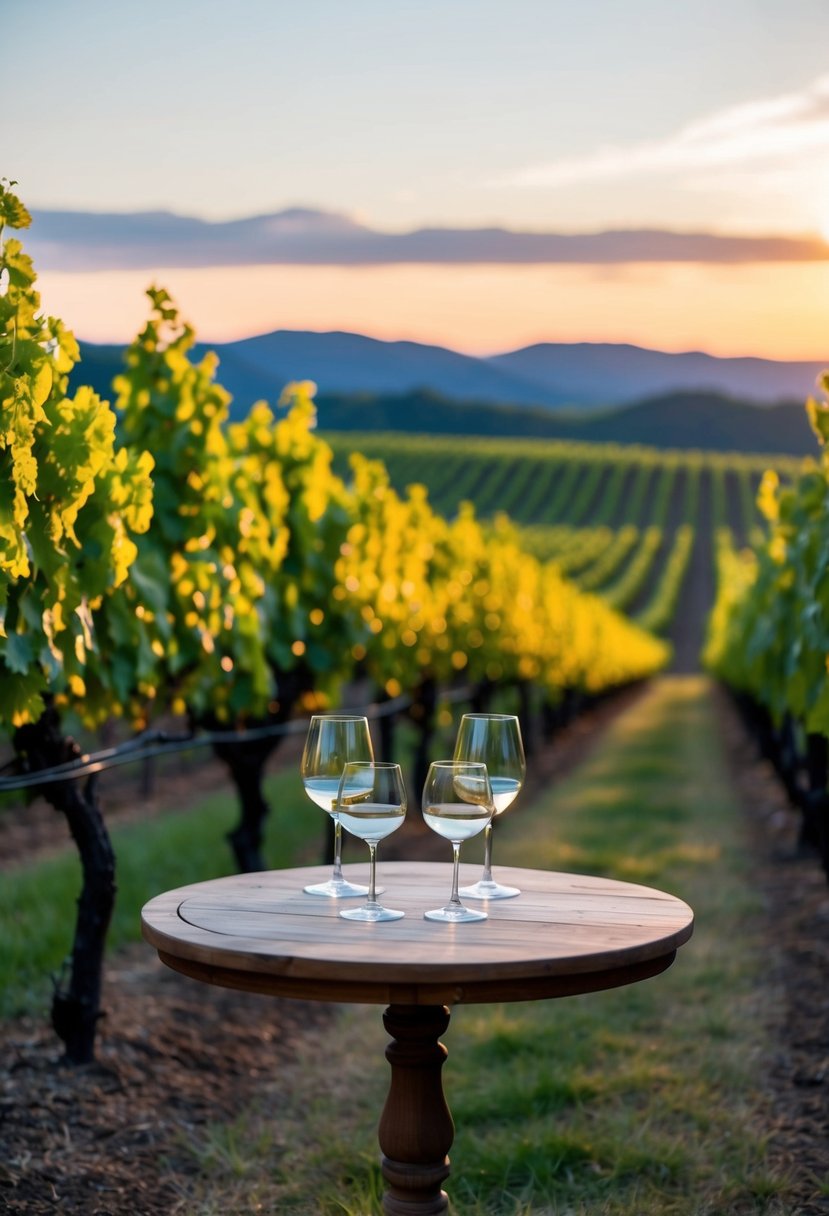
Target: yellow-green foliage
x,y
72,501
769,632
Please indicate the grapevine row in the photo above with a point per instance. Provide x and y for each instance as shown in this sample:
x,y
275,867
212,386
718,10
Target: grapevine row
x,y
768,635
657,615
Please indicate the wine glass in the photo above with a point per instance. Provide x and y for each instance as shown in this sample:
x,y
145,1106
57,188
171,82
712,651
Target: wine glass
x,y
457,804
494,740
333,740
371,804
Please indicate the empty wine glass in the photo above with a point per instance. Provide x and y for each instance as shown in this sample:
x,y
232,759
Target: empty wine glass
x,y
333,740
371,804
457,804
494,740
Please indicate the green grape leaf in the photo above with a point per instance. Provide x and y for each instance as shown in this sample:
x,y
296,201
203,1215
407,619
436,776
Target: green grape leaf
x,y
18,656
122,672
21,697
42,384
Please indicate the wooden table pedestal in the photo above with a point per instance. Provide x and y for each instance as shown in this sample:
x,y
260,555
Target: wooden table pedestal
x,y
416,1129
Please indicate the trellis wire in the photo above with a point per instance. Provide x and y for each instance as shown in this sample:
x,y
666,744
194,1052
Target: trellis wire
x,y
158,743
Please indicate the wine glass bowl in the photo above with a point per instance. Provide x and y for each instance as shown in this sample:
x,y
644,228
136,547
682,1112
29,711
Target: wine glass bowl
x,y
493,740
371,804
331,742
457,804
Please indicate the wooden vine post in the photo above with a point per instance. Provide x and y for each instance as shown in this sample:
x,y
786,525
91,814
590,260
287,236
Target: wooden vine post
x,y
246,760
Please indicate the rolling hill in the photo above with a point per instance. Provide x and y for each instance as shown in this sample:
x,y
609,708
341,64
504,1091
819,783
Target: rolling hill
x,y
699,420
585,391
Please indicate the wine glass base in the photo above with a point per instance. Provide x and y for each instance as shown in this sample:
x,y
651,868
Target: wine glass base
x,y
454,915
489,890
339,890
372,913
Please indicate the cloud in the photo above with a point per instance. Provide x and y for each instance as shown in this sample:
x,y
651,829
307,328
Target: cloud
x,y
765,135
85,241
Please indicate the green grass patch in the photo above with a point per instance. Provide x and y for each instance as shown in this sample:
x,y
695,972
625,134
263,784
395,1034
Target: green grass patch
x,y
37,902
636,1102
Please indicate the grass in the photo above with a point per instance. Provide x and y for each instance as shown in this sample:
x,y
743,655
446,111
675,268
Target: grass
x,y
635,1102
37,902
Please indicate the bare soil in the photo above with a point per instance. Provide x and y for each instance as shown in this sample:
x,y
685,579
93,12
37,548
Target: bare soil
x,y
117,1137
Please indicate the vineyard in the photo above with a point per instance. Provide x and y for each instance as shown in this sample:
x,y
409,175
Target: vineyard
x,y
724,557
635,526
171,578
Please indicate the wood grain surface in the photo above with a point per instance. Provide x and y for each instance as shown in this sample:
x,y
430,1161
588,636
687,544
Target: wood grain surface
x,y
565,934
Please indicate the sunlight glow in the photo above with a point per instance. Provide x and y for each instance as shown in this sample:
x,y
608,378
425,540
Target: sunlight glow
x,y
774,310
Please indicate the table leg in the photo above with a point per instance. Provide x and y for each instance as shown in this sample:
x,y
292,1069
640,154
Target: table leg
x,y
416,1128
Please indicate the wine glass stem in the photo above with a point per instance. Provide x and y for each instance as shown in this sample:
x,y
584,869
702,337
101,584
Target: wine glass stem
x,y
371,898
455,898
487,876
338,849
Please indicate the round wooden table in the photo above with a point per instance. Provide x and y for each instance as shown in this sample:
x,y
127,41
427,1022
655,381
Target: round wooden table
x,y
565,934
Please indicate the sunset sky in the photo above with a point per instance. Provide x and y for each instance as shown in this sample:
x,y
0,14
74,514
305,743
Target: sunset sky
x,y
695,116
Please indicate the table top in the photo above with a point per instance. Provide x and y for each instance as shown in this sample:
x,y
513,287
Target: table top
x,y
564,934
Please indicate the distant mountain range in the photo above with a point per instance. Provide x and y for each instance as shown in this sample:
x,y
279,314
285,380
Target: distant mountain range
x,y
597,374
553,375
